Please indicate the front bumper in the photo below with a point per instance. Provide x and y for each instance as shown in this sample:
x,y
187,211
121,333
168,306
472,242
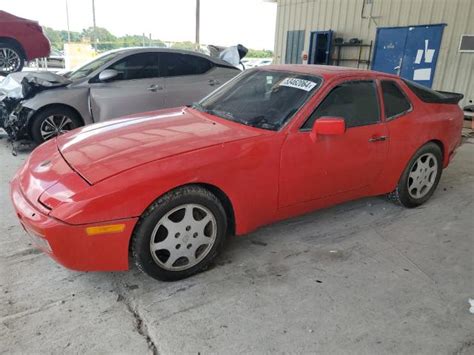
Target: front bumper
x,y
16,122
70,245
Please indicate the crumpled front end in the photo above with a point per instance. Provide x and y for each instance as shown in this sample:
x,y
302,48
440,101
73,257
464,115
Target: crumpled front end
x,y
16,121
16,88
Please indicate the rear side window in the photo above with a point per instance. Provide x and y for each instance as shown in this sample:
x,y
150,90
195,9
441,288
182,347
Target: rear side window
x,y
174,64
394,100
355,101
137,66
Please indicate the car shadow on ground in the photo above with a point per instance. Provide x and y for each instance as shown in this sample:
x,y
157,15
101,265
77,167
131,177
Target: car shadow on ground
x,y
22,146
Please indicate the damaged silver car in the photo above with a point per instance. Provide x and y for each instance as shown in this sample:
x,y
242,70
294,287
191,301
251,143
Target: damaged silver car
x,y
42,105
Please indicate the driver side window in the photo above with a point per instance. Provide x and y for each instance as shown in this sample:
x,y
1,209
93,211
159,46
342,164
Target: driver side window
x,y
355,101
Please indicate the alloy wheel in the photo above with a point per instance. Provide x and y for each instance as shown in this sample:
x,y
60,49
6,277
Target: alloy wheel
x,y
422,175
55,125
10,60
183,237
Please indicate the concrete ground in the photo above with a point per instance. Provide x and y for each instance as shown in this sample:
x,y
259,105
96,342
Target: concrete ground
x,y
363,277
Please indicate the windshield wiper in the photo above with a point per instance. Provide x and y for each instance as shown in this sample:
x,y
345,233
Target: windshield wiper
x,y
197,106
262,122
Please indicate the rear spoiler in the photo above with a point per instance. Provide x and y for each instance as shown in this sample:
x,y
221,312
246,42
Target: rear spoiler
x,y
450,97
431,96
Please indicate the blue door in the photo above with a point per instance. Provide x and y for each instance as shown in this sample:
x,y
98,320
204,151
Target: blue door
x,y
294,46
421,53
389,49
320,43
411,52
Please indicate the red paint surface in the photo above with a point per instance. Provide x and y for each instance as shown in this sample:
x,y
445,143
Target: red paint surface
x,y
27,33
115,170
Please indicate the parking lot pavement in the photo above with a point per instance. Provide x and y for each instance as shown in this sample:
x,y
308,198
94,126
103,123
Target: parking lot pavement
x,y
363,277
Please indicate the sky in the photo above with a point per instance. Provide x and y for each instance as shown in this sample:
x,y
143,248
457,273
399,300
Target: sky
x,y
223,22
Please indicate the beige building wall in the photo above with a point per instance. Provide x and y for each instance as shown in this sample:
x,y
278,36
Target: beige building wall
x,y
454,70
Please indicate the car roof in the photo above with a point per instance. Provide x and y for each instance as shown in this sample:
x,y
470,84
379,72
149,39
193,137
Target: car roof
x,y
135,50
327,72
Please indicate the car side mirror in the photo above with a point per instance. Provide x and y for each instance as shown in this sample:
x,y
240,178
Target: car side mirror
x,y
108,75
328,126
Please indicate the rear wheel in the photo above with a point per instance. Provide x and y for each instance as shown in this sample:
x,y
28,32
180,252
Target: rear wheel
x,y
421,177
11,58
180,234
53,122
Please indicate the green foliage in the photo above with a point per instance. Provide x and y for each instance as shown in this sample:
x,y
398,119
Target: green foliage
x,y
259,53
58,38
187,45
103,39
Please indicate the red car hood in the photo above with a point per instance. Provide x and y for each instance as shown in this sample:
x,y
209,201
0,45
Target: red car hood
x,y
102,150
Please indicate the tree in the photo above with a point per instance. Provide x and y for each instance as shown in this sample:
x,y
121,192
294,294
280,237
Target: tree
x,y
187,45
54,38
103,39
259,53
58,38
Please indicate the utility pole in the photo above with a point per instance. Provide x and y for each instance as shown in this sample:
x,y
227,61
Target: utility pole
x,y
94,37
198,5
67,20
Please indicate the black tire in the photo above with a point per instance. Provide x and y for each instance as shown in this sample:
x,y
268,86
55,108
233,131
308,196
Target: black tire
x,y
402,194
21,58
55,111
141,239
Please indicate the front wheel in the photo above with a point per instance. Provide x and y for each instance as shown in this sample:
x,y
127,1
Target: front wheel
x,y
179,234
53,122
421,177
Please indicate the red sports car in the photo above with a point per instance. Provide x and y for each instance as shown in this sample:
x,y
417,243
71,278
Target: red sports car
x,y
20,40
275,142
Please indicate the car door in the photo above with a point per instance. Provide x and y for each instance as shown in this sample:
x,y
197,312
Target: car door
x,y
188,78
137,88
325,165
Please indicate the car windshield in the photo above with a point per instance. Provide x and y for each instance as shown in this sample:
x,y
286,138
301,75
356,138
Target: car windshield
x,y
92,66
261,98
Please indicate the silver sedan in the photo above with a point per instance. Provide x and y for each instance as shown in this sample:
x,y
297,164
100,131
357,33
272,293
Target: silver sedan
x,y
118,83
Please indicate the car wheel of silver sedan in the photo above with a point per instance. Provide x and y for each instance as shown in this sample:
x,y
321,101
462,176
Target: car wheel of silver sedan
x,y
53,122
421,176
180,233
11,58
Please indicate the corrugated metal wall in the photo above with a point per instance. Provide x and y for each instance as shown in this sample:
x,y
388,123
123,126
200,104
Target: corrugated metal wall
x,y
454,70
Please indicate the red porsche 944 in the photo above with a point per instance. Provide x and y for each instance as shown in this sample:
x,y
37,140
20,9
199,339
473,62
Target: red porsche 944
x,y
169,186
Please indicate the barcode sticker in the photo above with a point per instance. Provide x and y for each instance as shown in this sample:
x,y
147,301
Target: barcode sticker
x,y
296,83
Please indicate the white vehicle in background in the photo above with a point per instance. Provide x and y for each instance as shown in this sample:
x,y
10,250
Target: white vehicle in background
x,y
256,62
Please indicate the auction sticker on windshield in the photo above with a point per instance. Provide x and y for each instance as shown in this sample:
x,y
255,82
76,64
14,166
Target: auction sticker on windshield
x,y
302,84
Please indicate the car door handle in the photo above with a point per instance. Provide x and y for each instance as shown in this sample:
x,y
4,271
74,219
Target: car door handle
x,y
378,139
213,82
155,87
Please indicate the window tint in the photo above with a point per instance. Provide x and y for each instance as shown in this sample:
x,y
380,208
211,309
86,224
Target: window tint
x,y
137,66
355,101
174,64
394,100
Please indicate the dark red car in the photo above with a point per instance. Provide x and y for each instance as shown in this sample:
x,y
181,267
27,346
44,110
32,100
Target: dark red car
x,y
275,142
20,40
